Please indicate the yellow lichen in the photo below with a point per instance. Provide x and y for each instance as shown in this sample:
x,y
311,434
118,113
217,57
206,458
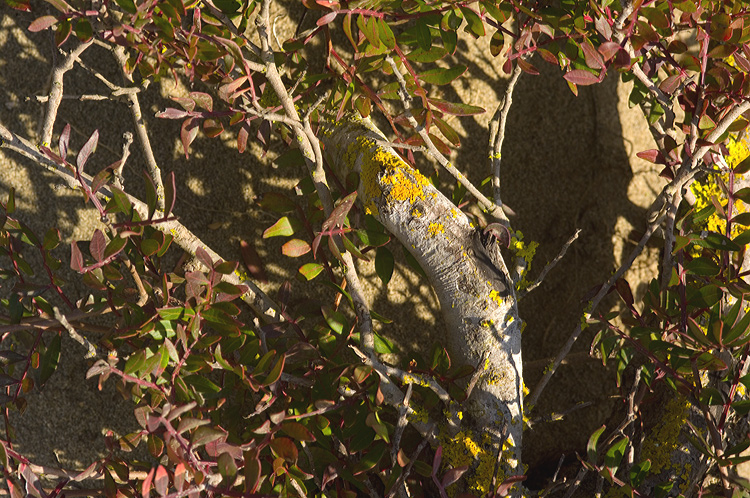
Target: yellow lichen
x,y
435,228
495,296
663,441
463,449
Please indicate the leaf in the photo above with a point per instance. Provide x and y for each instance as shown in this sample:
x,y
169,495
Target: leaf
x,y
297,431
63,32
591,450
581,77
593,59
456,109
295,248
49,360
204,435
384,264
326,18
203,100
282,228
88,149
652,156
385,34
474,25
442,76
212,128
275,374
188,132
42,23
84,31
423,35
63,142
97,245
114,247
170,193
252,261
76,258
161,480
283,447
311,270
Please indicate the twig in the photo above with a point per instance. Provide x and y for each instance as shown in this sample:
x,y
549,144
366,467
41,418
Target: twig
x,y
550,265
41,99
478,371
492,208
56,91
189,242
400,425
497,134
128,137
534,397
407,470
90,349
142,133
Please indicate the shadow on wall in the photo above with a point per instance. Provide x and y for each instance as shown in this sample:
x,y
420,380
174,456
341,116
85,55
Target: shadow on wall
x,y
564,167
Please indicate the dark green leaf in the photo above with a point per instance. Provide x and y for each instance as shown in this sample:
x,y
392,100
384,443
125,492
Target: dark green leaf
x,y
49,360
442,76
384,264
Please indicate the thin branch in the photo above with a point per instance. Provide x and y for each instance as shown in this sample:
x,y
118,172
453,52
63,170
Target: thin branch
x,y
90,349
534,397
497,134
550,265
189,242
42,99
493,209
56,91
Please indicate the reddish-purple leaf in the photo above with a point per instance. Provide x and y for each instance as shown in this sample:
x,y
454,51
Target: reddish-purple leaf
x,y
670,84
593,59
161,480
325,19
64,140
204,257
147,483
97,245
338,215
242,136
527,67
172,113
88,148
188,133
42,23
186,103
652,155
609,49
623,289
440,145
170,193
227,92
76,258
252,261
454,108
453,475
581,77
203,100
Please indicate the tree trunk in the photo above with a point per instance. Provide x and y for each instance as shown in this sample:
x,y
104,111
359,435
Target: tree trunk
x,y
476,293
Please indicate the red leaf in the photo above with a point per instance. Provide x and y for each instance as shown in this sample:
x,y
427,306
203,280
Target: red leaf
x,y
147,482
527,67
64,139
652,156
97,245
609,49
326,18
581,77
172,113
161,481
88,149
204,100
252,261
593,59
188,133
42,23
76,258
242,136
455,109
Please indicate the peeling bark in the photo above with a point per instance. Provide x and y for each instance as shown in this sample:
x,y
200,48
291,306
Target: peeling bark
x,y
476,293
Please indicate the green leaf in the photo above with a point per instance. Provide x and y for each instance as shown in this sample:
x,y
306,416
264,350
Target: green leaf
x,y
335,320
50,359
370,459
615,453
384,264
311,270
424,37
703,267
385,34
442,76
591,451
284,227
201,384
474,26
275,373
205,435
